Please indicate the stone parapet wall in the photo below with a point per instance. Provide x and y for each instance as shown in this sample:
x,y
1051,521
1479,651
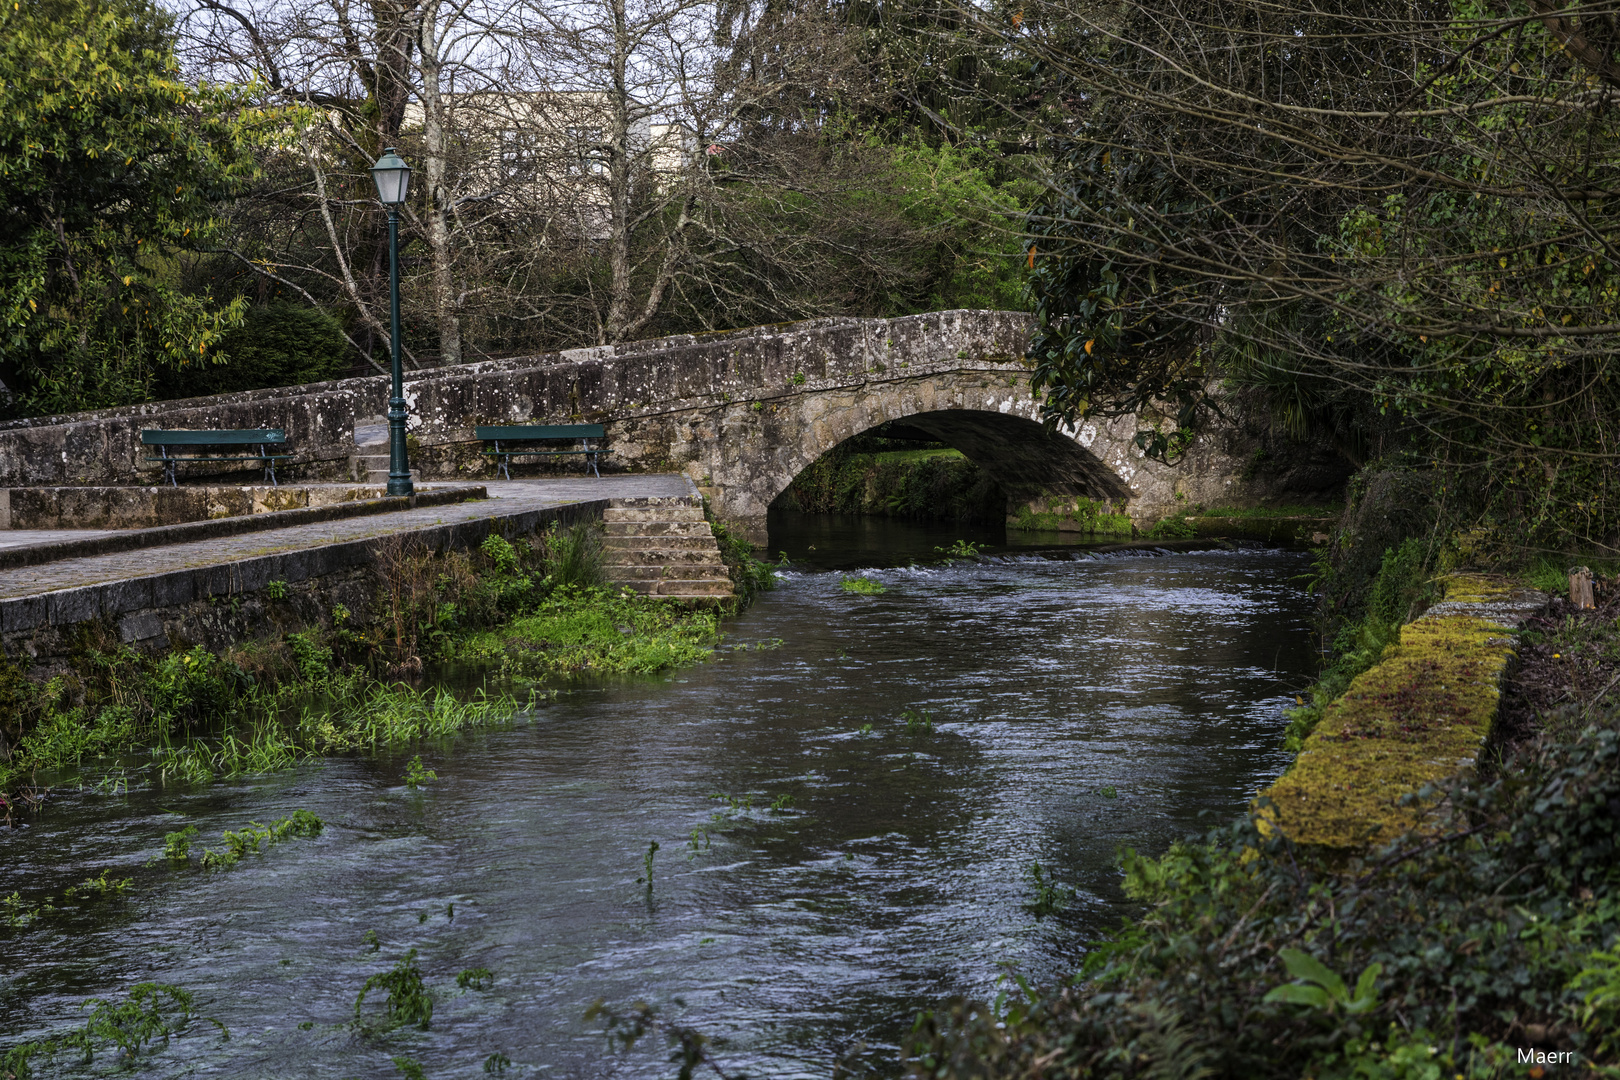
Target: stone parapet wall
x,y
99,507
597,384
740,413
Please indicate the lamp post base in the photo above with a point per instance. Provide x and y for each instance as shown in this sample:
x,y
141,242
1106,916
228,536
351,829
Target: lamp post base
x,y
399,469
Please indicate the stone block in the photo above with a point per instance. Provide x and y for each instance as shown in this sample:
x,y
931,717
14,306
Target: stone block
x,y
132,594
68,606
20,613
171,590
139,627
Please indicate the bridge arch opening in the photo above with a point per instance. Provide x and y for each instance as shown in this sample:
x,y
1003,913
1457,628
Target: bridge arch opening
x,y
1019,458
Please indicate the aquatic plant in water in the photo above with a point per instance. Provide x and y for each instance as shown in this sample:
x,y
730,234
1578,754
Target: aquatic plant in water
x,y
475,978
918,721
417,774
408,999
396,714
150,1012
647,864
251,840
962,549
15,914
861,585
177,845
1049,897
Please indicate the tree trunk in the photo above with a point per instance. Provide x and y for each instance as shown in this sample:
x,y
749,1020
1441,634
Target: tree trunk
x,y
619,155
438,201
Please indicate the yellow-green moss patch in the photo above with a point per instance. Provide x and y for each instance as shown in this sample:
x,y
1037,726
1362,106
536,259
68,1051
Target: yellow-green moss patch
x,y
1419,715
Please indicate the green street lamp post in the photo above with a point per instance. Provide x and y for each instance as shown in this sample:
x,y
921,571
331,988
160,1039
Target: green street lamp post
x,y
393,179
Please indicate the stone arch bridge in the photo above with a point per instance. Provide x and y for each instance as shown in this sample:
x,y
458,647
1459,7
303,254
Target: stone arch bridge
x,y
740,412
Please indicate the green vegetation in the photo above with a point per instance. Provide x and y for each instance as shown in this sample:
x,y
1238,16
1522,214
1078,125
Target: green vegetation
x,y
750,575
151,1012
1077,514
256,838
1418,714
862,586
961,549
894,478
15,914
1267,511
1171,528
477,978
1398,593
647,865
277,344
103,227
526,611
408,999
918,721
1048,897
416,774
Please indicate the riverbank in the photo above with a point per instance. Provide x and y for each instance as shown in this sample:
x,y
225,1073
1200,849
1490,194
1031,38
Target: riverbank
x,y
1483,945
507,615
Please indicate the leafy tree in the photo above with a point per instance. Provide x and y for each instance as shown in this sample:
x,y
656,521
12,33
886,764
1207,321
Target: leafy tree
x,y
110,166
1395,220
277,344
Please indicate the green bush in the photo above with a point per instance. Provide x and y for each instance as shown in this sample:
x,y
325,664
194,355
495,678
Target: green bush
x,y
278,344
574,555
1399,592
750,576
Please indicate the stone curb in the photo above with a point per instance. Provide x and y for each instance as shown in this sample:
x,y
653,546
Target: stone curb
x,y
189,531
112,599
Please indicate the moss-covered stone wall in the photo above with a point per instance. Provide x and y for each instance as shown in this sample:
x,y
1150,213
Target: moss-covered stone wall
x,y
1418,716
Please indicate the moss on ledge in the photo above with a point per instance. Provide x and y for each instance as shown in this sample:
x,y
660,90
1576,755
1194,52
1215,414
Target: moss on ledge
x,y
1419,715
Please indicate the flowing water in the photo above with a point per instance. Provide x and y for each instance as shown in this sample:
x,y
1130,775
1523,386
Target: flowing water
x,y
1078,703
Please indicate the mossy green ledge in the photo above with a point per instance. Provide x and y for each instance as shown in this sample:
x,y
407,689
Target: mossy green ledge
x,y
1420,715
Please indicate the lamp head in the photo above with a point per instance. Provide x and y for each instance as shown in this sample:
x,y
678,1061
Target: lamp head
x,y
393,178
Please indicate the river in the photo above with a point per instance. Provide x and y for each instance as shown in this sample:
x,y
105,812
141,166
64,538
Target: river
x,y
1077,703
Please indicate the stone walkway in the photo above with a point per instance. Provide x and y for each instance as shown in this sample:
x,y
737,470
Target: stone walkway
x,y
12,538
507,499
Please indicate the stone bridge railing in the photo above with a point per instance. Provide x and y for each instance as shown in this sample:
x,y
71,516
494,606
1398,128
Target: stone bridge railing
x,y
605,383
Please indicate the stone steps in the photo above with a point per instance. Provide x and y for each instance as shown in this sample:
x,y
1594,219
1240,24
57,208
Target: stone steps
x,y
642,563
371,468
659,543
646,530
664,547
654,516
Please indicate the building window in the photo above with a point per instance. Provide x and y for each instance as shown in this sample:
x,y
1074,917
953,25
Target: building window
x,y
584,159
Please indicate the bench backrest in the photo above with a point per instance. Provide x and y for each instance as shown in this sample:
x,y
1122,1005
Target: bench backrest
x,y
546,431
213,438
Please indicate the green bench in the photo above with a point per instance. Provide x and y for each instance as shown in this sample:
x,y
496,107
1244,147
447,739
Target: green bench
x,y
261,439
500,442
